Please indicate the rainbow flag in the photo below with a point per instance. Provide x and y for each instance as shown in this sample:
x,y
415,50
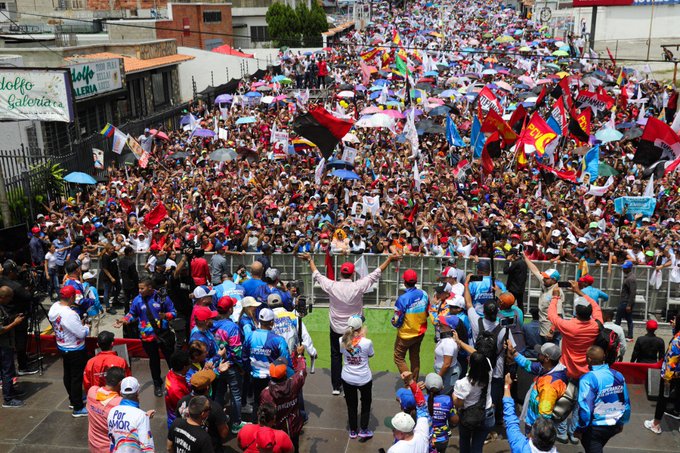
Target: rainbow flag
x,y
108,130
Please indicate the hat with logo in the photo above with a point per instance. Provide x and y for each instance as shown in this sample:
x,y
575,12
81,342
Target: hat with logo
x,y
266,315
551,273
550,350
129,386
450,272
456,301
203,291
449,321
204,313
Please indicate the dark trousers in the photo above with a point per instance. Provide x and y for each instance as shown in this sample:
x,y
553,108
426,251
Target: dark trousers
x,y
628,315
111,291
336,361
662,402
519,299
257,385
472,441
596,437
352,399
74,366
497,398
232,379
7,371
20,341
152,349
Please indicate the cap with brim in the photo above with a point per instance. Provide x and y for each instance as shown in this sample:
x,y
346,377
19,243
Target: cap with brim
x,y
581,301
406,400
456,301
129,386
550,350
483,265
355,322
347,268
265,439
434,381
90,274
593,225
203,291
551,273
202,379
204,313
440,289
627,265
278,369
266,315
249,301
449,321
402,422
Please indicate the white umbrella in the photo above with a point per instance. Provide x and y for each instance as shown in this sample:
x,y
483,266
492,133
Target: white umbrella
x,y
346,94
350,138
267,99
377,120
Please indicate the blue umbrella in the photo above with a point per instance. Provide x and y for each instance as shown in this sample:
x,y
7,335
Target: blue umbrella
x,y
200,132
340,164
78,177
381,82
608,135
375,88
440,110
246,120
253,94
224,99
278,78
431,74
345,174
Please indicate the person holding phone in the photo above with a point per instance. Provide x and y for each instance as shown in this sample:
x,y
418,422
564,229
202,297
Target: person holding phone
x,y
481,286
550,279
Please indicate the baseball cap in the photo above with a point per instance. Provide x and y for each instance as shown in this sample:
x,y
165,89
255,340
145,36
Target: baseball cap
x,y
449,321
67,292
581,301
456,301
627,265
202,379
279,368
593,225
225,303
587,279
406,399
441,288
265,438
129,386
652,324
273,299
355,322
272,274
204,313
347,268
484,265
90,274
506,300
249,301
449,272
266,315
556,233
434,381
551,273
410,276
649,253
550,350
35,230
402,422
203,291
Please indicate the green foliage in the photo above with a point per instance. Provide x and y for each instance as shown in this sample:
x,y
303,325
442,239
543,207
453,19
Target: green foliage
x,y
284,26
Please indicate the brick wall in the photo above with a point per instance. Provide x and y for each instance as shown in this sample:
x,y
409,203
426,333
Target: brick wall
x,y
108,5
199,30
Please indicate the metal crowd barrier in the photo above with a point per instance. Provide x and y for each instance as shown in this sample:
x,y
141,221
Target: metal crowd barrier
x,y
649,300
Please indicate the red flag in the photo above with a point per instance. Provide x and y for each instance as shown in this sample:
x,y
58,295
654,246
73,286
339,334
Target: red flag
x,y
413,214
495,123
658,142
541,97
330,271
155,216
517,117
492,142
566,175
126,205
559,114
322,128
487,101
673,165
462,165
611,57
537,134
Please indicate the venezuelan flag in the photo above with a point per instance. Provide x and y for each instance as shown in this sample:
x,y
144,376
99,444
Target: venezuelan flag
x,y
396,39
108,130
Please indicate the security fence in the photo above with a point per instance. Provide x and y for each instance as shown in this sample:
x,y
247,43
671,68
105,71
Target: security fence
x,y
649,300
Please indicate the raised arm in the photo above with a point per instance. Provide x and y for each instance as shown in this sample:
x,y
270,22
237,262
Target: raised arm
x,y
532,267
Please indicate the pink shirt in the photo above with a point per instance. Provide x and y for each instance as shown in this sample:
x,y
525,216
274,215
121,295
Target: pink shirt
x,y
99,403
346,298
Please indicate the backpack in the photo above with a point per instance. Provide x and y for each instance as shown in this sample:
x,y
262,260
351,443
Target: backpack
x,y
609,341
487,341
517,334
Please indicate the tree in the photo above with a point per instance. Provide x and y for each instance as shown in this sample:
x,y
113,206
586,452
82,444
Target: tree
x,y
284,26
318,23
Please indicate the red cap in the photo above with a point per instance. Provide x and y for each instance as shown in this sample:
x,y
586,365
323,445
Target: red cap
x,y
35,230
587,279
410,276
347,268
202,313
225,303
67,292
652,325
265,438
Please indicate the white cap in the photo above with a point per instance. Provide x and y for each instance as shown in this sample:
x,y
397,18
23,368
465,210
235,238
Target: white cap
x,y
129,386
249,301
272,274
456,301
203,291
266,315
434,381
581,301
556,233
355,322
90,274
450,272
403,422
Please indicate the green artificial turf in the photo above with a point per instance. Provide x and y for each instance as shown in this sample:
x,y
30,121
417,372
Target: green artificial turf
x,y
380,331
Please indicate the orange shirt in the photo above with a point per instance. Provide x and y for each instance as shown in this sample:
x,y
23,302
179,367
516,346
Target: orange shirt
x,y
95,370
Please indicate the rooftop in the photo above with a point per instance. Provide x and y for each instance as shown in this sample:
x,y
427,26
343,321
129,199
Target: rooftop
x,y
132,64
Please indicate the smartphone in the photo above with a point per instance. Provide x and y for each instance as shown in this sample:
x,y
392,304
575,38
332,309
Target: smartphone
x,y
564,284
476,278
507,322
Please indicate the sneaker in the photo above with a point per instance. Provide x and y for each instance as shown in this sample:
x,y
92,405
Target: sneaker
x,y
111,311
27,372
70,406
158,391
673,413
365,433
491,438
562,440
353,435
247,409
649,424
18,394
81,413
336,392
236,428
13,403
573,440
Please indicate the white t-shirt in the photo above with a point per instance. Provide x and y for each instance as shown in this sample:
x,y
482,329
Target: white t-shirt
x,y
420,443
51,260
469,393
69,331
445,347
489,326
355,369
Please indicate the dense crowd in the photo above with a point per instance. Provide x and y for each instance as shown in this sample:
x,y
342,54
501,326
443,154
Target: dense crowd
x,y
407,180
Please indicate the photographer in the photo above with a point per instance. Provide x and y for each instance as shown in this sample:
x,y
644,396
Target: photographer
x,y
8,324
22,302
129,276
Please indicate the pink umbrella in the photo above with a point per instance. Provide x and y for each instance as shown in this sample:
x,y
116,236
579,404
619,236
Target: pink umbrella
x,y
161,135
280,98
257,84
396,114
370,110
436,101
543,81
527,80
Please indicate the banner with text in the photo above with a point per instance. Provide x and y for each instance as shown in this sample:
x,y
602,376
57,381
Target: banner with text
x,y
35,94
96,77
636,205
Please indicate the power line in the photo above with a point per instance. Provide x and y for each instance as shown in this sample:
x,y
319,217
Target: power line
x,y
30,36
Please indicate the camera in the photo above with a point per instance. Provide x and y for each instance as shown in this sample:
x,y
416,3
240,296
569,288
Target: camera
x,y
507,322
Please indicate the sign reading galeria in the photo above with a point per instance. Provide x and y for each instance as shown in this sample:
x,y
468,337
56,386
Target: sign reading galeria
x,y
96,77
35,94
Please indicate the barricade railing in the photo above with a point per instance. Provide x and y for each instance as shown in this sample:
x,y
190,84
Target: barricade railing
x,y
649,300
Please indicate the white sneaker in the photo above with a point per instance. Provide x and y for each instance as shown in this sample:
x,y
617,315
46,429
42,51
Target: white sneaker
x,y
336,392
649,424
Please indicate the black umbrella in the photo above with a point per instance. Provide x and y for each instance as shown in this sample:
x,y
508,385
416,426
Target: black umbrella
x,y
129,159
180,155
346,86
633,132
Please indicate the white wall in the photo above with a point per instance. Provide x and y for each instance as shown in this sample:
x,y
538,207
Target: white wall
x,y
632,22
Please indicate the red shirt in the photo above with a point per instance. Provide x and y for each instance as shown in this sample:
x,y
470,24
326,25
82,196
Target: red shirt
x,y
200,271
95,370
176,388
247,440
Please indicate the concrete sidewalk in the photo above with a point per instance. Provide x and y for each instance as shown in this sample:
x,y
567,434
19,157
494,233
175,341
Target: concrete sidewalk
x,y
45,423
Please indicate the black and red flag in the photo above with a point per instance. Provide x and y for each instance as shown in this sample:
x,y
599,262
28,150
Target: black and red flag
x,y
322,129
658,142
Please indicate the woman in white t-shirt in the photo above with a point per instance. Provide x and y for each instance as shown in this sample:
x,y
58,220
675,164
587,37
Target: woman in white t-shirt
x,y
446,353
466,393
356,376
51,272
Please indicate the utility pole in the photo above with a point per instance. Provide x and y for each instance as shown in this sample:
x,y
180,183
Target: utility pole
x,y
593,23
649,37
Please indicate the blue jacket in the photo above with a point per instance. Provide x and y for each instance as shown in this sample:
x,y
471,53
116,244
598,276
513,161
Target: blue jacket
x,y
482,292
263,292
251,285
157,306
262,348
518,441
602,398
208,340
595,294
228,288
410,313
